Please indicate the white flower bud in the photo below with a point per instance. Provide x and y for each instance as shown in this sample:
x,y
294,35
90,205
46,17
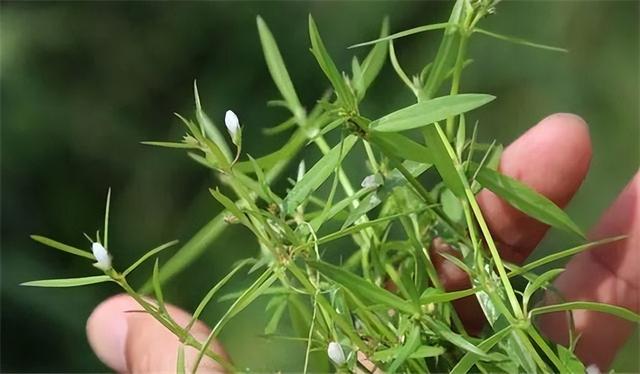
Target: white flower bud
x,y
371,181
336,354
233,124
593,369
301,170
103,257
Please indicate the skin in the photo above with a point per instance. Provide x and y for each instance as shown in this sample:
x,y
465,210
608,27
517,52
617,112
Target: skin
x,y
553,158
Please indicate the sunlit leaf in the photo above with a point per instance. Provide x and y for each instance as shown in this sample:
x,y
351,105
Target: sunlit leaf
x,y
368,292
372,63
588,305
62,247
421,352
400,146
444,159
329,67
469,359
315,176
539,282
519,40
68,282
171,145
415,30
412,342
276,65
147,255
430,111
527,200
444,331
366,205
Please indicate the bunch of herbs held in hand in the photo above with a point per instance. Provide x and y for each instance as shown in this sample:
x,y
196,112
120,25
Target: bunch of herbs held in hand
x,y
379,305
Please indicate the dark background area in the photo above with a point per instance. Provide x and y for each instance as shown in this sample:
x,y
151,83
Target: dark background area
x,y
83,83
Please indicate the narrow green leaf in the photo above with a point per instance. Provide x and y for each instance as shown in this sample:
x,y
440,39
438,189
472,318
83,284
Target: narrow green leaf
x,y
63,247
517,345
453,338
68,282
256,289
588,305
360,227
400,146
398,69
469,359
276,66
284,126
273,323
313,178
191,249
539,282
415,30
105,236
171,145
422,352
519,41
207,298
147,255
157,289
412,342
444,159
193,129
461,136
329,67
365,206
527,200
373,62
570,360
336,208
430,111
451,205
328,128
229,205
210,129
358,286
286,152
433,295
445,53
562,254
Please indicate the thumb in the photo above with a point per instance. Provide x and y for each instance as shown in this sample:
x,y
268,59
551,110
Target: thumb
x,y
136,342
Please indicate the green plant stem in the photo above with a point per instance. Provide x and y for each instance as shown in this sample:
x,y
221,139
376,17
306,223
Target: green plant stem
x,y
368,235
547,350
455,81
424,194
183,335
532,350
495,255
326,306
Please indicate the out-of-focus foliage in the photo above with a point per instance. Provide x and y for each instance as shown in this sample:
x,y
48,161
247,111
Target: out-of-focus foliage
x,y
83,83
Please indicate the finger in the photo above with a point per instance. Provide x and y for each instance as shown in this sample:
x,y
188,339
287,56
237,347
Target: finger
x,y
607,274
135,342
552,158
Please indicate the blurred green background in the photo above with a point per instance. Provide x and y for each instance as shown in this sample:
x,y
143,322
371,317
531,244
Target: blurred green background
x,y
83,83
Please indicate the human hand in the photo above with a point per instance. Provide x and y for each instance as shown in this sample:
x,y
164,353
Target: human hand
x,y
553,158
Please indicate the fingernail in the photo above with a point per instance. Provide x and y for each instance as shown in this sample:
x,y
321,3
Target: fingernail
x,y
107,331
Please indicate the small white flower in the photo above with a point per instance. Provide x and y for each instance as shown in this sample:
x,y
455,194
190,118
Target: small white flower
x,y
301,170
103,257
593,369
336,354
371,181
233,124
